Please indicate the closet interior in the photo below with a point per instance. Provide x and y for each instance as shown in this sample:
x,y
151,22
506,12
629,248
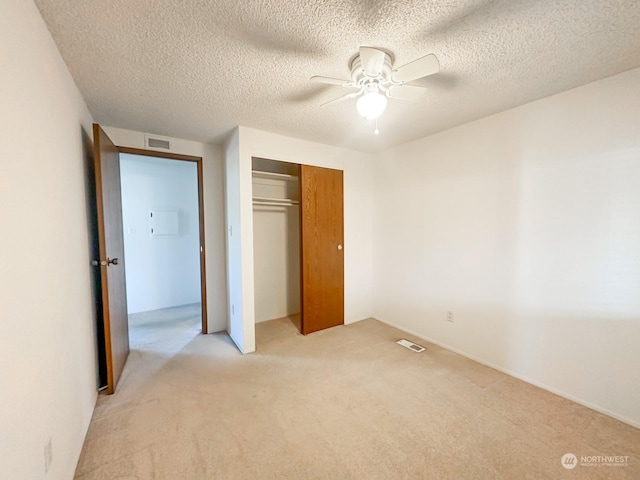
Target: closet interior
x,y
276,240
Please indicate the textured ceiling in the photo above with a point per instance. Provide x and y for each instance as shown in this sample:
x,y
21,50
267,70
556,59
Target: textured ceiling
x,y
194,69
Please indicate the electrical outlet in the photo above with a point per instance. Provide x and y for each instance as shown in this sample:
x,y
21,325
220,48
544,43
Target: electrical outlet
x,y
449,316
48,454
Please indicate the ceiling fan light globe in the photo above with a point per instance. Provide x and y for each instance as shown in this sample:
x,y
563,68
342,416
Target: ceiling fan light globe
x,y
371,105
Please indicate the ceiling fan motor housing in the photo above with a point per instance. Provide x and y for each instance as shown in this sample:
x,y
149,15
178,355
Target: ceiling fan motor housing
x,y
360,77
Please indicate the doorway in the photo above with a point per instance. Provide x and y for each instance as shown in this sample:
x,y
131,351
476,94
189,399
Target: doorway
x,y
162,249
112,315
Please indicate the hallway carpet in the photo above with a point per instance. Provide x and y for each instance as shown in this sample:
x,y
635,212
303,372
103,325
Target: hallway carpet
x,y
344,403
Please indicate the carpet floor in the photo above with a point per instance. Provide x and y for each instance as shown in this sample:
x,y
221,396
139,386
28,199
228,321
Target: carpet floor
x,y
344,403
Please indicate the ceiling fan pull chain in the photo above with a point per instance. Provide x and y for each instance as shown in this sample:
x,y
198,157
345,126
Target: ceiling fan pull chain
x,y
376,131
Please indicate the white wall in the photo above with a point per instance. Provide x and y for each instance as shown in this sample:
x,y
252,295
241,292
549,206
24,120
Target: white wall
x,y
357,217
526,225
276,249
214,214
48,369
232,191
162,270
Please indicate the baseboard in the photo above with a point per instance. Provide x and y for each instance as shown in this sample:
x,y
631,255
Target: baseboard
x,y
535,383
351,322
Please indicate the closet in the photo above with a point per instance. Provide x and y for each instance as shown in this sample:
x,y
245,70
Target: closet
x,y
276,239
298,244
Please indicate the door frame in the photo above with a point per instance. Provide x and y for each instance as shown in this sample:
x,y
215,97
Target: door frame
x,y
198,162
302,328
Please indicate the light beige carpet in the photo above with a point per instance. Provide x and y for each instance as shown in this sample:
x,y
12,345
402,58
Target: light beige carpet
x,y
344,403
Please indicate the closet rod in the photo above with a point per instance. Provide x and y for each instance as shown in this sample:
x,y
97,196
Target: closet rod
x,y
275,204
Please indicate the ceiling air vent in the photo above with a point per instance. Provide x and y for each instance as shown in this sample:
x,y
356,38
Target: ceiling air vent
x,y
411,346
158,143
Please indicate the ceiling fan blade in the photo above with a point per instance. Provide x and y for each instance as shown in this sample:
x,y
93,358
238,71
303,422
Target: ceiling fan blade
x,y
371,60
422,67
331,81
410,93
343,98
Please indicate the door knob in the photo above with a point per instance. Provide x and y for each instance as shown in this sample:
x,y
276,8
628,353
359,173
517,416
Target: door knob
x,y
339,247
105,263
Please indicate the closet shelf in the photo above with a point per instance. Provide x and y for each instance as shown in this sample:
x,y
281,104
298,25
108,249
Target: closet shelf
x,y
280,176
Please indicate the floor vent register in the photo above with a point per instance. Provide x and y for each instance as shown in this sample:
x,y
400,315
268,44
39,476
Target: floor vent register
x,y
411,346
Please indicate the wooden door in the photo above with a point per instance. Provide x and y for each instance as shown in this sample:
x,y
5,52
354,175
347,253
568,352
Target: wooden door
x,y
321,248
111,261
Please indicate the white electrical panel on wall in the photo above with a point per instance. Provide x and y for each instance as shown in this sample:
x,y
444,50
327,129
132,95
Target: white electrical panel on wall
x,y
164,221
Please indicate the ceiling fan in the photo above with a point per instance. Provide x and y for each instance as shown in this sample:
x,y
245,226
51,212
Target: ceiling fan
x,y
372,73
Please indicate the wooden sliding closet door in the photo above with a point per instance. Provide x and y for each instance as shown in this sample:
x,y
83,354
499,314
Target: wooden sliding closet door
x,y
321,248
